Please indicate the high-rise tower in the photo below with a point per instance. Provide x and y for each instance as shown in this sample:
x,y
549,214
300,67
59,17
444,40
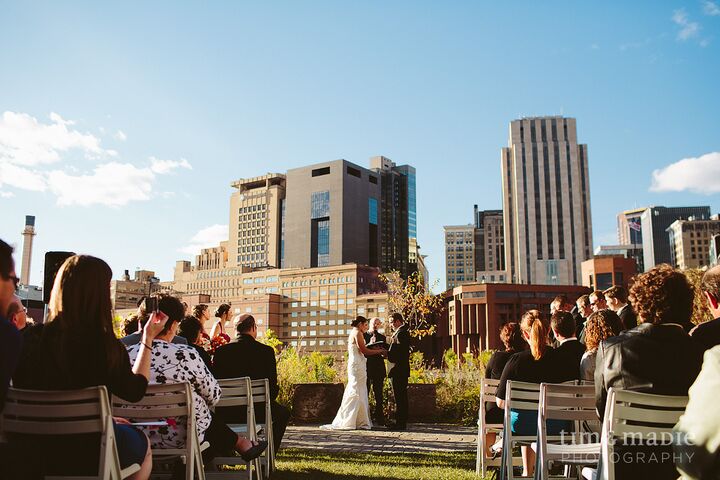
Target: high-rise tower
x,y
546,201
28,234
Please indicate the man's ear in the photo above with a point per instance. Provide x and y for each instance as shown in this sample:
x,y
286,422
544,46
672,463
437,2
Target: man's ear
x,y
712,301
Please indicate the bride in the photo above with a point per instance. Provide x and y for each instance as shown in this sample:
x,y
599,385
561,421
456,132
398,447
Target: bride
x,y
354,411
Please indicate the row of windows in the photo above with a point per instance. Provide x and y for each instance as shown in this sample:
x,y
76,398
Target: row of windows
x,y
322,281
312,343
253,208
315,333
315,303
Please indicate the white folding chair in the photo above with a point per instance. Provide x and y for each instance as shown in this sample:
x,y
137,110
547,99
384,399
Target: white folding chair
x,y
67,412
261,396
488,388
171,400
575,403
639,417
518,396
238,392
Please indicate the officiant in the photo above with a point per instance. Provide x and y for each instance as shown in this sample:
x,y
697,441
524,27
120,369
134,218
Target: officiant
x,y
376,368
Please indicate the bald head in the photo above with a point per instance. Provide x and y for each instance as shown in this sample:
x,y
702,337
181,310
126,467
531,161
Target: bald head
x,y
16,313
710,285
245,325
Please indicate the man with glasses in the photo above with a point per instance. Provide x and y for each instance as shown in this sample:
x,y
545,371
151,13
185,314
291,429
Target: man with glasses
x,y
17,314
10,339
597,301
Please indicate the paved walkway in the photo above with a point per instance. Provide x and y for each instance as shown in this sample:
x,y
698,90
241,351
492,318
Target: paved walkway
x,y
418,438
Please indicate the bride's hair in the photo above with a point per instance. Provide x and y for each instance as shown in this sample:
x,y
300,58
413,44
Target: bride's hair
x,y
358,320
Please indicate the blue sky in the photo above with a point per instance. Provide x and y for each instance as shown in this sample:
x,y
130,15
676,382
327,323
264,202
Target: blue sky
x,y
124,124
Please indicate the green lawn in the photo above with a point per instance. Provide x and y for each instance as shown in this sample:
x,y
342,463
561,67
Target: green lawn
x,y
296,464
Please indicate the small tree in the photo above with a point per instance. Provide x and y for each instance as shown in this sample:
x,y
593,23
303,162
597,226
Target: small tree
x,y
418,306
271,340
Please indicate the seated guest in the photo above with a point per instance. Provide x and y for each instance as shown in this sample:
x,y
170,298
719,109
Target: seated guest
x,y
600,326
657,357
202,313
76,348
597,301
17,314
697,448
143,317
246,357
561,304
535,365
10,339
617,301
569,351
513,341
191,330
707,334
584,310
175,363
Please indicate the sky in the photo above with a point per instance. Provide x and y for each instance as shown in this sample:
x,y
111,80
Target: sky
x,y
122,125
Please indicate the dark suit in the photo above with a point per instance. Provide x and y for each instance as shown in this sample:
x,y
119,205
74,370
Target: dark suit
x,y
628,317
376,375
246,357
707,334
566,358
399,354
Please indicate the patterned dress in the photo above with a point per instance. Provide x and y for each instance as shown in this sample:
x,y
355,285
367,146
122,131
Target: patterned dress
x,y
174,363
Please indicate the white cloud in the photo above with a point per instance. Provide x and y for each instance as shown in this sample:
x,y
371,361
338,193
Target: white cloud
x,y
6,194
698,174
21,177
688,29
207,237
120,135
166,166
113,184
26,141
711,8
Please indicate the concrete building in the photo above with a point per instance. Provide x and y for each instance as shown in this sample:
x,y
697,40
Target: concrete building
x,y
690,242
459,255
126,292
602,272
714,250
629,228
398,214
474,313
546,202
306,307
655,222
628,251
255,221
332,214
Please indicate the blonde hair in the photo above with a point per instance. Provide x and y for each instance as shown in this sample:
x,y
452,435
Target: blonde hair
x,y
537,331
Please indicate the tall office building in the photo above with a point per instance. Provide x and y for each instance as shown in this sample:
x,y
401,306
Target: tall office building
x,y
331,216
459,255
399,217
630,235
546,201
255,216
655,222
690,242
489,240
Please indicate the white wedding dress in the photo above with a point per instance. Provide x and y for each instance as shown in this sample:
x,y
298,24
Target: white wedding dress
x,y
354,413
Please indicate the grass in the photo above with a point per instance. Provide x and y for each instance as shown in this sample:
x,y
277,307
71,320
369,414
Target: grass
x,y
297,464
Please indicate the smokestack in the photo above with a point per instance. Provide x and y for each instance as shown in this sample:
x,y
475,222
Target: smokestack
x,y
28,234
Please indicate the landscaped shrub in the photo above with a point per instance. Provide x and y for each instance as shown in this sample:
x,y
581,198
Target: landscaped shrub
x,y
293,367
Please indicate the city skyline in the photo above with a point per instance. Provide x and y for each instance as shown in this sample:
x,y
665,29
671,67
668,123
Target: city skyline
x,y
150,127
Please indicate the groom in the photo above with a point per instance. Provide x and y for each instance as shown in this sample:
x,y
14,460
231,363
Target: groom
x,y
399,354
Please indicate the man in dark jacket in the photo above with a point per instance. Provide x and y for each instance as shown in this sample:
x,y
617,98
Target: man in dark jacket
x,y
376,369
399,355
566,356
707,335
617,301
10,339
246,357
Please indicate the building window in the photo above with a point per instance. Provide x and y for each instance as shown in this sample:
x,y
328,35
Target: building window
x,y
354,172
321,171
320,205
373,211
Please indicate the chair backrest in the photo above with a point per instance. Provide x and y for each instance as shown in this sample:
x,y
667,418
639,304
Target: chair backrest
x,y
260,390
56,412
521,395
567,402
170,400
642,416
236,392
63,413
488,388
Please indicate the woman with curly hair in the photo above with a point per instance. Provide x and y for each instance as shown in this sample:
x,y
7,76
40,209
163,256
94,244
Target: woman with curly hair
x,y
656,357
599,326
